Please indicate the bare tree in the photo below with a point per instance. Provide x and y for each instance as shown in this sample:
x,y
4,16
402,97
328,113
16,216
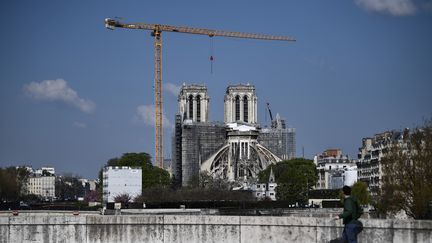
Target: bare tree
x,y
123,198
407,173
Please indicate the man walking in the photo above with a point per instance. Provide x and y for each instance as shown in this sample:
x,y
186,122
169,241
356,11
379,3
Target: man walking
x,y
351,213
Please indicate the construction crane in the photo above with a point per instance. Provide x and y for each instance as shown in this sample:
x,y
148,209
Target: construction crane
x,y
156,32
270,113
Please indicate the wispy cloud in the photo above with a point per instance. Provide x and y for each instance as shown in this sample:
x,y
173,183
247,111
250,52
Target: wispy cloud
x,y
172,88
79,125
146,114
58,90
393,7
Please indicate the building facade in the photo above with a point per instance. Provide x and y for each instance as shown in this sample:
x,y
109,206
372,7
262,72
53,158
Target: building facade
x,y
369,158
193,103
240,104
335,170
118,180
241,157
230,150
195,138
43,186
263,191
198,142
40,171
279,139
291,143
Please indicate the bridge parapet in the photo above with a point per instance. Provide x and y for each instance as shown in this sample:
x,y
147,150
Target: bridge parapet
x,y
201,228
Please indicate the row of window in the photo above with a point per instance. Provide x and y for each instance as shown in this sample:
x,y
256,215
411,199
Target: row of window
x,y
264,186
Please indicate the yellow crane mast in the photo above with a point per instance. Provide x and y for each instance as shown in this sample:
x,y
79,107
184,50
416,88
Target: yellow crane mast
x,y
157,30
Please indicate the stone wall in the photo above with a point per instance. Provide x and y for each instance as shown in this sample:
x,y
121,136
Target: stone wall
x,y
200,228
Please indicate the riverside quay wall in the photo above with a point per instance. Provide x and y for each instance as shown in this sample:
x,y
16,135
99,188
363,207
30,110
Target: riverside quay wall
x,y
200,228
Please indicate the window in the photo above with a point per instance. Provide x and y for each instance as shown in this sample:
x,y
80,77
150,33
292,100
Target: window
x,y
237,108
198,100
241,173
245,109
190,101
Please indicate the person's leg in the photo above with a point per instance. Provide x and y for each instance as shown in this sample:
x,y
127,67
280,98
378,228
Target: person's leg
x,y
344,234
351,233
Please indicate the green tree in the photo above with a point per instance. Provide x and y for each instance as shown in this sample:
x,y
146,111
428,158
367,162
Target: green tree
x,y
68,187
132,159
360,191
154,177
99,186
295,178
13,183
22,175
407,177
46,173
8,186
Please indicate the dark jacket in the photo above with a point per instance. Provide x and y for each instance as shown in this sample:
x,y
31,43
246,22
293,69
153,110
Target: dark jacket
x,y
351,210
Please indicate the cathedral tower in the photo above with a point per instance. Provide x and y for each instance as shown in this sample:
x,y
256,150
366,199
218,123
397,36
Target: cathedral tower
x,y
240,104
193,103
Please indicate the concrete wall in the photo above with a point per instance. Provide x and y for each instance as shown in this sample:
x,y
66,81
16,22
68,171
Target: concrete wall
x,y
200,228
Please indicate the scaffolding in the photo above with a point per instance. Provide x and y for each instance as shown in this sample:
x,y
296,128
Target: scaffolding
x,y
194,143
280,141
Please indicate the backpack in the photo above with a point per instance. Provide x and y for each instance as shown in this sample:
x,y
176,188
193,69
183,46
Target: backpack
x,y
359,225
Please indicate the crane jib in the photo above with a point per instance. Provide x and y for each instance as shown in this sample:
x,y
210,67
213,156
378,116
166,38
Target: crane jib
x,y
156,32
111,23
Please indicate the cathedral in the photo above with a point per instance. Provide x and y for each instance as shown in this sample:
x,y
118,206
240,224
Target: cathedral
x,y
235,150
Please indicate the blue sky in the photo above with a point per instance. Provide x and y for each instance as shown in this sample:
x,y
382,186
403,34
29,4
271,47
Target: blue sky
x,y
74,94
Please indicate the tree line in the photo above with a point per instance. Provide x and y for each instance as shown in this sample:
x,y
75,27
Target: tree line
x,y
13,186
